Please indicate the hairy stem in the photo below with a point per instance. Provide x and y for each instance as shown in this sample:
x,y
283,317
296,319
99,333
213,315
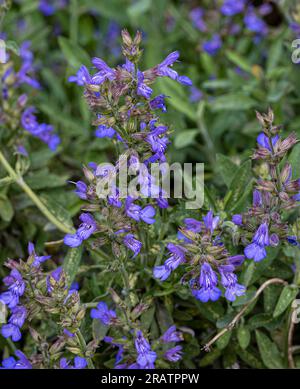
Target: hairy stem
x,y
82,344
35,199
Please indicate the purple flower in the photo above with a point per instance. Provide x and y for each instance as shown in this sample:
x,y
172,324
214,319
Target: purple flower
x,y
137,213
236,260
143,89
114,198
85,230
146,357
171,335
164,69
104,132
105,72
265,9
82,77
233,7
185,80
295,27
257,198
159,103
11,331
174,354
161,272
229,282
296,197
79,363
212,46
195,94
68,333
132,210
53,278
102,313
264,141
208,282
9,298
274,240
81,189
18,316
21,363
293,240
177,257
46,7
211,222
193,225
256,249
132,244
15,282
42,131
147,214
237,220
254,23
28,119
196,16
37,260
157,142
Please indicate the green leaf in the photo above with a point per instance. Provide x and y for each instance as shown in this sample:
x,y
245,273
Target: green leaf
x,y
269,352
6,209
185,138
224,340
216,84
72,262
13,46
239,61
212,311
294,159
247,273
274,55
138,8
57,210
178,98
99,330
239,182
112,9
286,297
261,267
250,358
271,295
244,337
232,102
73,53
265,320
43,179
227,168
210,357
147,318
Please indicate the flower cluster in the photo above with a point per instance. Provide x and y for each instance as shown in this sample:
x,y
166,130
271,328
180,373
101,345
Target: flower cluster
x,y
135,351
126,111
265,222
203,254
49,7
13,113
230,14
32,294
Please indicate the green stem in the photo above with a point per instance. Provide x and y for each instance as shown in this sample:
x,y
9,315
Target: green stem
x,y
41,206
74,21
83,349
124,276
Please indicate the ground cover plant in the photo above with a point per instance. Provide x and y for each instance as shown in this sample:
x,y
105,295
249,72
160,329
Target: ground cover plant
x,y
114,255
